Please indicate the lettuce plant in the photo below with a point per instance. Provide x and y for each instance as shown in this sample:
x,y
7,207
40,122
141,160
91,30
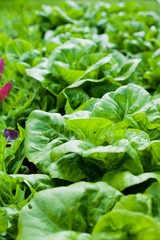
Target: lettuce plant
x,y
80,122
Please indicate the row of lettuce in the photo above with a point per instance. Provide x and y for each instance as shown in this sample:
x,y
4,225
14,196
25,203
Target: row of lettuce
x,y
80,124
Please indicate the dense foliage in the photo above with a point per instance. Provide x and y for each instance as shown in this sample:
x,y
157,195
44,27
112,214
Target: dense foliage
x,y
80,124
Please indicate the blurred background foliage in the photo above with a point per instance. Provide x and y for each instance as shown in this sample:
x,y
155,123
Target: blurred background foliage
x,y
19,4
17,15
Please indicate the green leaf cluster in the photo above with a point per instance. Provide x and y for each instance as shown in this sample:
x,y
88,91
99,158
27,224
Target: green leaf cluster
x,y
85,105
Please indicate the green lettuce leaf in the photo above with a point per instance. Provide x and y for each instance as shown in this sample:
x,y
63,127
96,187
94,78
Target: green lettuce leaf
x,y
154,192
123,224
135,203
51,130
79,92
124,179
76,207
126,100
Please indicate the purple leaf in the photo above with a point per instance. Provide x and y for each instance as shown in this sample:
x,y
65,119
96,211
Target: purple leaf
x,y
4,91
10,135
1,67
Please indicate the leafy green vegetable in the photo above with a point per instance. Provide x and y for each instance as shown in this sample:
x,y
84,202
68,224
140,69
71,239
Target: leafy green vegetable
x,y
80,120
127,100
96,140
123,224
76,207
122,180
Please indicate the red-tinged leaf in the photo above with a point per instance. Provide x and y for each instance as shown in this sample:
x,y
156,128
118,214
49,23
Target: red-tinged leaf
x,y
4,91
32,167
1,67
10,135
